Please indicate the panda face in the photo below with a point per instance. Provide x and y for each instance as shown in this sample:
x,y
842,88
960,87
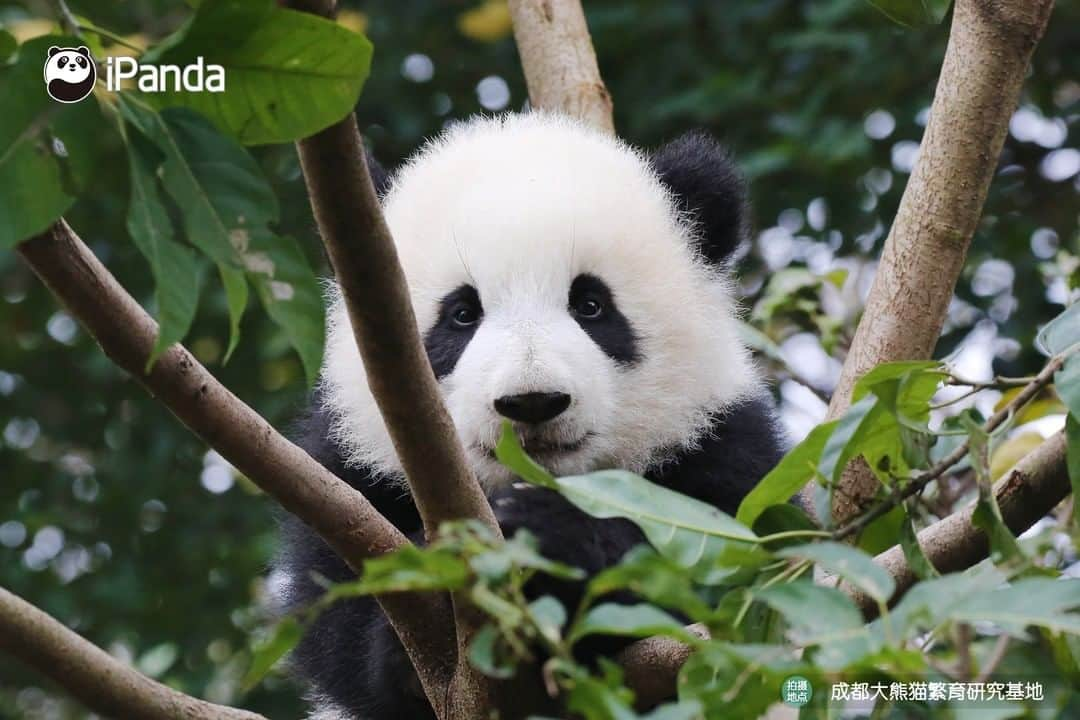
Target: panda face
x,y
70,73
555,284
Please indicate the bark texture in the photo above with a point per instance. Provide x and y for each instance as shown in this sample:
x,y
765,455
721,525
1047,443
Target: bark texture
x,y
990,46
559,62
339,513
1025,495
100,681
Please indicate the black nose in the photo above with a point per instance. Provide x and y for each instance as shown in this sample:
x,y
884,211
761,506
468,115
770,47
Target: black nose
x,y
534,407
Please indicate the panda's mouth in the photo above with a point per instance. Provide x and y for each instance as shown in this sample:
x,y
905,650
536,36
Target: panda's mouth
x,y
541,448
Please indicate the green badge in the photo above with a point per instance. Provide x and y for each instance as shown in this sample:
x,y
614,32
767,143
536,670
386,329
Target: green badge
x,y
796,691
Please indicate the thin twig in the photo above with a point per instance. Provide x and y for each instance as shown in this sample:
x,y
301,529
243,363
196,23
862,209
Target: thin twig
x,y
915,485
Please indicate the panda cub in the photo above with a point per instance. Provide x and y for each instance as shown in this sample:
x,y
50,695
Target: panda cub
x,y
576,286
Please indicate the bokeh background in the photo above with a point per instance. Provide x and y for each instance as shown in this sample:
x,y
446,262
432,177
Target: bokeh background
x,y
119,522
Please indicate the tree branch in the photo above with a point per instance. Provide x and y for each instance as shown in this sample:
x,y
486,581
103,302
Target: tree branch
x,y
100,681
916,484
340,514
559,62
990,45
1025,495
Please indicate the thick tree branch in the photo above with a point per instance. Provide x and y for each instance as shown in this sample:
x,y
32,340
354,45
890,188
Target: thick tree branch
x,y
100,681
340,514
559,62
400,377
990,46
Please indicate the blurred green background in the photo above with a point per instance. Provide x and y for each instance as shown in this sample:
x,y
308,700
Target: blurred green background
x,y
117,521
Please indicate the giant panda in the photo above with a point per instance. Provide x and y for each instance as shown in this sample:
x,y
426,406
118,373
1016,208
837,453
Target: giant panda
x,y
581,289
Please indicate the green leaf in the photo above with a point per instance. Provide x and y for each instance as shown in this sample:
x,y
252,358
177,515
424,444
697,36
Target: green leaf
x,y
786,518
270,650
1061,333
519,552
288,74
823,616
217,186
846,441
174,267
1040,601
930,602
409,568
227,208
987,514
236,298
1072,438
290,292
692,533
653,577
630,621
912,13
509,452
8,45
795,470
488,656
549,616
682,710
49,151
856,567
913,552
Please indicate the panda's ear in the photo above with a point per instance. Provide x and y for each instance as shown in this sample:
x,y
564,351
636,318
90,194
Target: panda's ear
x,y
709,187
83,50
53,50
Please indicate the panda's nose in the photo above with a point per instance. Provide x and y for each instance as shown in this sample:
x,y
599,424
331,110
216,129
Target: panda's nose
x,y
534,407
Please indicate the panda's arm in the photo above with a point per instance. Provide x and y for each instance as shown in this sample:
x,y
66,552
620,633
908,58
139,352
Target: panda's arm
x,y
740,447
349,654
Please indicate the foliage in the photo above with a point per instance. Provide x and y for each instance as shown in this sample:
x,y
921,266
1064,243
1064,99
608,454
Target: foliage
x,y
118,522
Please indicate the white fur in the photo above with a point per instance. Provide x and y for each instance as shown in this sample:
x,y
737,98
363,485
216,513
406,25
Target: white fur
x,y
518,206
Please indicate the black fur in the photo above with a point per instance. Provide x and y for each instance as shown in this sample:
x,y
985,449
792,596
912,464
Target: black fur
x,y
446,339
611,331
351,656
708,185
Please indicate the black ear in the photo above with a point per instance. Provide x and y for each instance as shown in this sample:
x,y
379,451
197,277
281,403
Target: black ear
x,y
707,185
83,50
53,50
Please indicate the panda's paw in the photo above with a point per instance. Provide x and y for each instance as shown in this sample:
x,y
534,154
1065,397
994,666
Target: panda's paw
x,y
541,511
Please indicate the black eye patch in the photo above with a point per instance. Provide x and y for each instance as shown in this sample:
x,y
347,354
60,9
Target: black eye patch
x,y
592,305
460,314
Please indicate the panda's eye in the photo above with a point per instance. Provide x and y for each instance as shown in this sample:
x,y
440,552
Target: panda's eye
x,y
465,315
589,308
62,60
81,61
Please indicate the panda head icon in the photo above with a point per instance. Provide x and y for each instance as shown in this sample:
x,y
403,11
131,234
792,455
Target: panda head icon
x,y
70,73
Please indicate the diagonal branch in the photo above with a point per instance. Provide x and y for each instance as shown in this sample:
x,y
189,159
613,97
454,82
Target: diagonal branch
x,y
559,62
1025,495
340,514
100,681
990,46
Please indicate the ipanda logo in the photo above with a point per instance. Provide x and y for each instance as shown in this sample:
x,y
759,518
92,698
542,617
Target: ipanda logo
x,y
70,74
